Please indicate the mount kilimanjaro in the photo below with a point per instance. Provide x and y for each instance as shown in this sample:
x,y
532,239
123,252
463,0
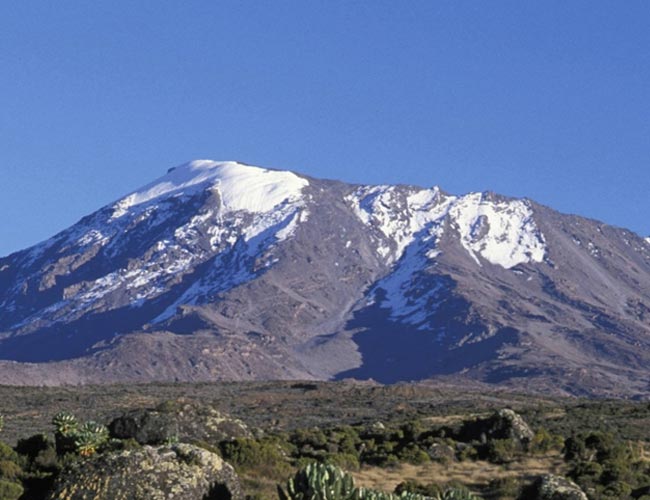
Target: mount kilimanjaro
x,y
225,271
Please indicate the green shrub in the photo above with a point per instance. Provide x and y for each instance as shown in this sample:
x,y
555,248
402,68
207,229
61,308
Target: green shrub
x,y
543,442
413,454
346,461
9,470
618,489
264,457
505,488
412,486
47,460
574,449
468,452
9,490
502,450
315,438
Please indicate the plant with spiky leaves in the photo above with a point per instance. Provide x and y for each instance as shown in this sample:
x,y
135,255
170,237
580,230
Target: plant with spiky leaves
x,y
86,444
100,431
318,482
71,437
327,482
458,494
89,437
65,423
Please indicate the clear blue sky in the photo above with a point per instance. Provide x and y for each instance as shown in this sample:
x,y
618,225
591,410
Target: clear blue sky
x,y
549,100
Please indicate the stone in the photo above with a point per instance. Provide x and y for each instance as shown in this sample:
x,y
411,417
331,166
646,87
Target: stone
x,y
178,421
441,453
552,487
177,472
502,424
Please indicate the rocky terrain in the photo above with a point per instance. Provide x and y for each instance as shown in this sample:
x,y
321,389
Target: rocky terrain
x,y
224,271
335,440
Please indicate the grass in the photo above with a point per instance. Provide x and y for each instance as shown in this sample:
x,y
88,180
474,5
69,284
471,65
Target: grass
x,y
473,474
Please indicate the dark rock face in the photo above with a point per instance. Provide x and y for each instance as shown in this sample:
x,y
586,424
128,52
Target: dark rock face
x,y
221,271
179,472
177,420
145,426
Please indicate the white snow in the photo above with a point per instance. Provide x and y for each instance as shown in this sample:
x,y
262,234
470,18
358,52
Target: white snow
x,y
410,222
407,301
257,206
241,187
397,216
93,237
288,230
501,232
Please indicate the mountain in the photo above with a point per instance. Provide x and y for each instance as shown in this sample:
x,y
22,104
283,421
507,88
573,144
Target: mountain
x,y
221,270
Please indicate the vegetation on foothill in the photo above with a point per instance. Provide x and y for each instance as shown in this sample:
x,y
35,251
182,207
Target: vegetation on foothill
x,y
411,449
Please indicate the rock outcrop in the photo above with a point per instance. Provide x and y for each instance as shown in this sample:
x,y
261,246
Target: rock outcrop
x,y
178,472
503,424
178,420
551,487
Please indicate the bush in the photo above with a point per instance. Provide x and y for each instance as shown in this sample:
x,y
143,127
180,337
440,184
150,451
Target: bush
x,y
346,461
412,486
413,454
468,452
501,450
9,490
265,457
9,470
618,489
6,453
543,442
505,488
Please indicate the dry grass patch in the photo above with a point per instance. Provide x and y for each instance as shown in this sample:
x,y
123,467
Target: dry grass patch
x,y
451,419
473,474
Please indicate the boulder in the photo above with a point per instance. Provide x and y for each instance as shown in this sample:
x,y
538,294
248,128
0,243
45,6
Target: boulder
x,y
441,453
551,487
177,472
509,425
178,420
145,426
502,424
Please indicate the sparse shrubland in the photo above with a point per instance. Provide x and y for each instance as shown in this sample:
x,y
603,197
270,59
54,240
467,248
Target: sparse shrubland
x,y
598,447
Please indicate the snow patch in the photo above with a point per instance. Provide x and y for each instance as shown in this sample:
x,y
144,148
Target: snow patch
x,y
502,232
399,216
240,187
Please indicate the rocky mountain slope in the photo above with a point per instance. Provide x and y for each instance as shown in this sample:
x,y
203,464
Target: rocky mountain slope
x,y
228,271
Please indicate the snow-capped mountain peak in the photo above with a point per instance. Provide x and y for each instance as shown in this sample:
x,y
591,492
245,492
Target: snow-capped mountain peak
x,y
241,187
222,270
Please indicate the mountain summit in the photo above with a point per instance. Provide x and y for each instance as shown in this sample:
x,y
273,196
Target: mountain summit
x,y
220,270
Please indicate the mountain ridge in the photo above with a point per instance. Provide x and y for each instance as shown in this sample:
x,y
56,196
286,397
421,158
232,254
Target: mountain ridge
x,y
219,270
